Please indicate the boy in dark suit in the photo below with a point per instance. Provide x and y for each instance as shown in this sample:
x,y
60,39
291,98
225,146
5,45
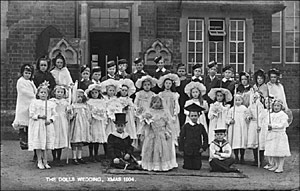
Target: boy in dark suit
x,y
197,70
111,71
160,71
139,72
119,146
228,81
122,66
211,80
193,139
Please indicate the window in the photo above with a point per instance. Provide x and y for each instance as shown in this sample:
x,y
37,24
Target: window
x,y
195,43
237,45
276,38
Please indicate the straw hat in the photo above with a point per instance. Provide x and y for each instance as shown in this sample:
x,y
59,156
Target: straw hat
x,y
110,82
173,77
226,92
193,85
91,87
129,83
140,81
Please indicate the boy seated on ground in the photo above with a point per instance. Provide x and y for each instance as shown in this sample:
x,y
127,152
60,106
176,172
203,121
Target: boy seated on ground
x,y
119,146
220,153
193,139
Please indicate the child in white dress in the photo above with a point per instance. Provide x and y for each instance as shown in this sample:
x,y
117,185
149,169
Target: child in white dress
x,y
41,130
196,90
158,152
277,143
97,107
237,130
170,99
126,89
60,72
218,110
61,124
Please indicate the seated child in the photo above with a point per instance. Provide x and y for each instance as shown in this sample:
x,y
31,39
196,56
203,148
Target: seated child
x,y
191,136
119,146
220,152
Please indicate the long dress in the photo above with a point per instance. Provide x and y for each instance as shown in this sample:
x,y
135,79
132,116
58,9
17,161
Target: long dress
x,y
237,132
277,143
170,102
41,136
277,91
142,103
130,127
217,115
99,120
253,139
61,124
113,105
158,152
202,118
26,91
80,124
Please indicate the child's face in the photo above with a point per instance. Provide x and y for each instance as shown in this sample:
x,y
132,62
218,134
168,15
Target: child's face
x,y
96,76
181,71
43,65
122,67
120,127
146,85
111,90
238,101
228,74
220,136
124,91
79,98
111,70
212,71
244,80
160,64
195,93
277,107
157,104
220,96
86,75
95,93
43,93
260,80
168,84
273,78
193,115
26,75
139,66
197,72
59,93
59,63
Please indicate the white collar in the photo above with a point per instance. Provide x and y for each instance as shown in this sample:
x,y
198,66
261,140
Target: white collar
x,y
211,78
110,76
225,80
120,73
194,77
95,82
163,69
142,71
192,123
120,135
246,86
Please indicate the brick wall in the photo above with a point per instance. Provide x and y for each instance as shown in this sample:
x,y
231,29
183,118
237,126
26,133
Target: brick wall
x,y
25,21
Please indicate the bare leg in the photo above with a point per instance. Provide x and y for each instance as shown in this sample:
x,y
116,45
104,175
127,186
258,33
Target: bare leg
x,y
280,164
39,158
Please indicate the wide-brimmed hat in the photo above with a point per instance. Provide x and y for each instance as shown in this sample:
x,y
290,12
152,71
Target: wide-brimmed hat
x,y
110,82
91,87
173,77
129,83
120,118
193,85
140,81
212,93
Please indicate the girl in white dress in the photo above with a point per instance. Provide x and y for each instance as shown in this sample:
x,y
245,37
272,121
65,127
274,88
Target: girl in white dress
x,y
61,124
41,135
126,89
97,107
237,130
218,110
60,72
170,100
195,90
277,143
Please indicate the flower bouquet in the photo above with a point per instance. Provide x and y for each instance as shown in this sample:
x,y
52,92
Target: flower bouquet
x,y
148,118
112,108
125,103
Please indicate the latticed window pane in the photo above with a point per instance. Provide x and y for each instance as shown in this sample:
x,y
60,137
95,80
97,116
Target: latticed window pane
x,y
199,47
241,47
191,47
237,42
232,47
275,54
191,35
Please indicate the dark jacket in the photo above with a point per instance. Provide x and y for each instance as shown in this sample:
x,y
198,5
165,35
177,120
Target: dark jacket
x,y
209,84
190,139
84,84
137,75
40,77
118,147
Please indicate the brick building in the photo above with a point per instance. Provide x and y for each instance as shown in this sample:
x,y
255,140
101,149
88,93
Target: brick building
x,y
230,32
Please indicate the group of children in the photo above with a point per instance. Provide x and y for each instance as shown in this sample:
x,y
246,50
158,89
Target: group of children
x,y
155,115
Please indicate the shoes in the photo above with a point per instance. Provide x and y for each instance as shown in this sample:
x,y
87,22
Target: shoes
x,y
47,166
278,171
81,161
75,162
40,165
268,167
273,168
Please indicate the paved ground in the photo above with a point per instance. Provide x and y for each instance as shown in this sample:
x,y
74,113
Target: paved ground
x,y
18,173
